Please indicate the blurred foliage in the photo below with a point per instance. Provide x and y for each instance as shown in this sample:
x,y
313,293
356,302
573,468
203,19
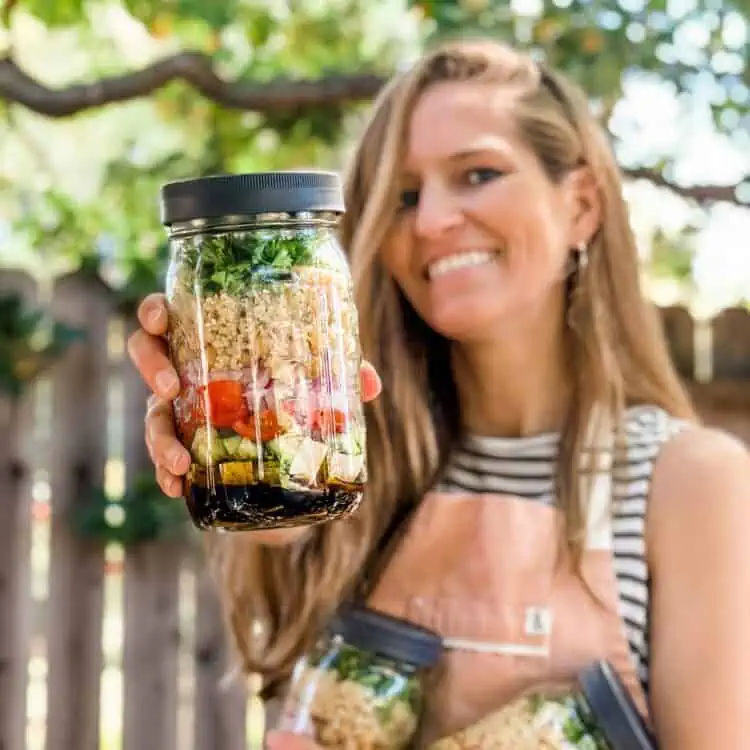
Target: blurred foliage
x,y
29,343
124,152
116,226
686,42
144,514
672,255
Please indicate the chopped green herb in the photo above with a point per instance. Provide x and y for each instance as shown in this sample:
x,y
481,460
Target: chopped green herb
x,y
387,684
231,262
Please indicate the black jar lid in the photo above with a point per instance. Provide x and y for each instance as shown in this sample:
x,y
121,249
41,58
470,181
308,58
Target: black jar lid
x,y
396,639
251,194
614,710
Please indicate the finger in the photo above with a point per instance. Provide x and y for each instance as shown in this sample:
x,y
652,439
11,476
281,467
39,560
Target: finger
x,y
370,383
171,485
152,314
288,741
149,354
164,448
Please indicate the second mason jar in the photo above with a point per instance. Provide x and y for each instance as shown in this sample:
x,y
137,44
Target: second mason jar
x,y
362,686
264,336
597,713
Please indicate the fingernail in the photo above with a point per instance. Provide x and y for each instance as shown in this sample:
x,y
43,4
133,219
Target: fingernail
x,y
166,382
177,459
155,315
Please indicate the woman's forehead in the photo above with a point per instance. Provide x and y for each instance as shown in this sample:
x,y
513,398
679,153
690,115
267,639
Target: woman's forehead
x,y
453,119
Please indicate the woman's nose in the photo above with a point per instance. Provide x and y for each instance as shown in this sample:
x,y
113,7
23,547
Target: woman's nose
x,y
437,212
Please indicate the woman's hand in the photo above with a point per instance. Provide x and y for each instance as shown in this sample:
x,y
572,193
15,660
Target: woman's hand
x,y
289,741
148,350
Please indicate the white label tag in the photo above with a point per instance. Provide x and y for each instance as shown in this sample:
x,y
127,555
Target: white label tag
x,y
538,621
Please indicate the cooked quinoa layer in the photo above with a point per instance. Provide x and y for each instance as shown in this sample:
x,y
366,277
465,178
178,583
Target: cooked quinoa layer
x,y
345,715
528,723
279,324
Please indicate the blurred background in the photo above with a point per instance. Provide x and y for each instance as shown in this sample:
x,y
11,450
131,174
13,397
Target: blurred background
x,y
110,635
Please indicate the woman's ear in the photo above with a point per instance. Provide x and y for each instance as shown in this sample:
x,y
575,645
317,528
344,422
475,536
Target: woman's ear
x,y
585,205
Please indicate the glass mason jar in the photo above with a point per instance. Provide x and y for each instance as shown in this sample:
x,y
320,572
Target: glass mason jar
x,y
264,336
362,685
597,714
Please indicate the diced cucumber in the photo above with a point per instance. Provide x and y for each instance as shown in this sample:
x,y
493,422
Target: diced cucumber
x,y
207,447
283,449
240,447
247,449
271,449
231,444
351,443
308,457
345,466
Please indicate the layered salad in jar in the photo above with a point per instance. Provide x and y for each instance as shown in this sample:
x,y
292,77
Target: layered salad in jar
x,y
264,337
533,722
345,698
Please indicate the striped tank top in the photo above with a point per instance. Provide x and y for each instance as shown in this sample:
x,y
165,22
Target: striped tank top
x,y
525,467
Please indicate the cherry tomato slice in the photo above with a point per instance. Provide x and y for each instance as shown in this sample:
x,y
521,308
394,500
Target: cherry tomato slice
x,y
268,426
329,421
226,402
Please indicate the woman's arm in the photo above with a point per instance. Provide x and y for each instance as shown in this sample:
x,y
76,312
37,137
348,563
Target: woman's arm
x,y
699,551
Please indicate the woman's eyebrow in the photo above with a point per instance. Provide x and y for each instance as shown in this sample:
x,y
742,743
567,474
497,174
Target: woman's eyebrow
x,y
469,153
463,154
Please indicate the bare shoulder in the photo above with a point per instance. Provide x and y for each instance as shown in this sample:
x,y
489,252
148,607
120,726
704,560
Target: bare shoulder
x,y
698,466
699,562
701,481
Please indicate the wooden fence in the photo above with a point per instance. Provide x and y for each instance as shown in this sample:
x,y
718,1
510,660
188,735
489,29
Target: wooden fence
x,y
98,649
105,649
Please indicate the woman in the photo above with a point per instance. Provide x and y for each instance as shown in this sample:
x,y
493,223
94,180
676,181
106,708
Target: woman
x,y
566,504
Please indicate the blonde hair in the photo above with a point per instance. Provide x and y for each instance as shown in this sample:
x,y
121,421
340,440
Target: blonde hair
x,y
617,352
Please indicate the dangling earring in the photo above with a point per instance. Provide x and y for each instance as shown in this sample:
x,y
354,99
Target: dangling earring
x,y
579,259
582,256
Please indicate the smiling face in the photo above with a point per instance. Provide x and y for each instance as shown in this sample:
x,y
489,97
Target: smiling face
x,y
483,236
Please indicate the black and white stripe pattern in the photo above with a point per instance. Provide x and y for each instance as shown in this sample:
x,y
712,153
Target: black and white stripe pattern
x,y
525,467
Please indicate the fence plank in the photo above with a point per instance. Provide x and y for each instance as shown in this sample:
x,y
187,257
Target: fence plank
x,y
731,344
219,708
151,612
16,423
78,453
678,327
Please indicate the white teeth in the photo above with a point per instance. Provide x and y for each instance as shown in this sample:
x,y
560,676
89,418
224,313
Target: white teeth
x,y
459,260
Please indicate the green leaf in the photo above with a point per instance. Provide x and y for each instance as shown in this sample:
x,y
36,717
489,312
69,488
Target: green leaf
x,y
29,343
56,12
145,514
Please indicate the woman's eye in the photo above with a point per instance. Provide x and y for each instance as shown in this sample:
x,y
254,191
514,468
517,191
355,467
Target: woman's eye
x,y
409,198
482,175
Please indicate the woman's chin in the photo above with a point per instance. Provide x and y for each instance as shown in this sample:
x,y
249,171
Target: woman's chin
x,y
468,322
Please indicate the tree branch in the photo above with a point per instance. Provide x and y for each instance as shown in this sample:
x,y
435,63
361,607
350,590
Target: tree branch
x,y
193,67
699,193
280,94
